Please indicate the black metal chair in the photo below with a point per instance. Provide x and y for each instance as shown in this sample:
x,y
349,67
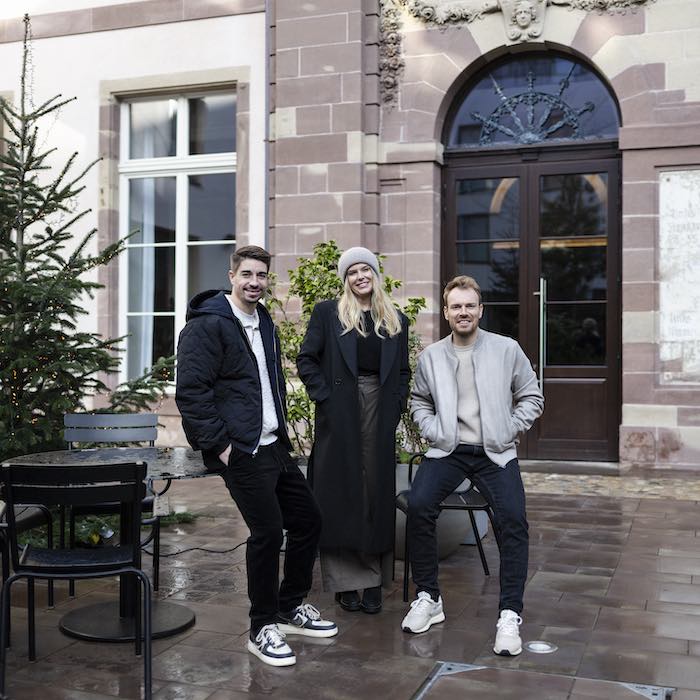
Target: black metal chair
x,y
468,500
80,485
26,519
111,429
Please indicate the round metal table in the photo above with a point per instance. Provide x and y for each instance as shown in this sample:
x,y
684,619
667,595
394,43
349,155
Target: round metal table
x,y
113,621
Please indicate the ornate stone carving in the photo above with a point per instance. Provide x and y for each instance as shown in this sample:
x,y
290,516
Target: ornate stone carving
x,y
524,21
524,18
515,11
390,59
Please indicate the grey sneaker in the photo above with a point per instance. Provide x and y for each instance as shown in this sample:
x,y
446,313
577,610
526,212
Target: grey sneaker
x,y
269,646
424,613
306,620
508,634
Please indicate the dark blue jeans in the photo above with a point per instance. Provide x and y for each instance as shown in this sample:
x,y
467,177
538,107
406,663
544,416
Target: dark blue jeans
x,y
271,493
502,487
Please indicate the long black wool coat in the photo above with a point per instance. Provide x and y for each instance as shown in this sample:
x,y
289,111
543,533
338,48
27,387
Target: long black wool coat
x,y
327,365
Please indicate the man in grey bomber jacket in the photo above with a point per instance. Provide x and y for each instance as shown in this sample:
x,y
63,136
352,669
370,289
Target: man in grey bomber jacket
x,y
474,391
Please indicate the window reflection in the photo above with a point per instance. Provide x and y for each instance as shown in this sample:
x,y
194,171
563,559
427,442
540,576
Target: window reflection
x,y
151,278
501,318
152,210
576,334
573,205
213,124
150,337
488,208
153,127
212,207
529,99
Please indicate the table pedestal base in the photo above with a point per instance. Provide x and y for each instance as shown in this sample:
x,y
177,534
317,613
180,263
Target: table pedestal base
x,y
100,622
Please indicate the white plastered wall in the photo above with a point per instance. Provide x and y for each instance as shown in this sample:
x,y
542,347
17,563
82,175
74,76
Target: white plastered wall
x,y
76,65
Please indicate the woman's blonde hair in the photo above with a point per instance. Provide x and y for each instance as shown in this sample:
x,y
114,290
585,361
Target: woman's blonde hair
x,y
384,313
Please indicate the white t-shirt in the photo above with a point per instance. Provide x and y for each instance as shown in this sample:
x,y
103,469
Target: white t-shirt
x,y
468,410
251,326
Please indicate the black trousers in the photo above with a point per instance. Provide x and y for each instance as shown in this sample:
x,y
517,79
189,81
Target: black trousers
x,y
271,494
502,487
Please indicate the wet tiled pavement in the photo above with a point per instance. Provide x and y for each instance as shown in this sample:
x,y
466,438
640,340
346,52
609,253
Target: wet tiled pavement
x,y
614,582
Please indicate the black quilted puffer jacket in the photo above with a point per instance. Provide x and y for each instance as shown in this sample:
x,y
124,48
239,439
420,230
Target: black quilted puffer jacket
x,y
218,386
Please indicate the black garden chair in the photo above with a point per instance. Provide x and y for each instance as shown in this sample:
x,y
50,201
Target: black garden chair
x,y
114,429
468,499
67,487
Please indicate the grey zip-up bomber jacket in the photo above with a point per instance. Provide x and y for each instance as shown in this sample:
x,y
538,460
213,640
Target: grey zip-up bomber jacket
x,y
510,399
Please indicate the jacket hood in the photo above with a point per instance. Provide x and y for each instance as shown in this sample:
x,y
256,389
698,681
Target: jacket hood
x,y
214,301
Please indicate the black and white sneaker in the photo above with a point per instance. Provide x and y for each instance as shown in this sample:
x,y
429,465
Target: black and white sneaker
x,y
269,646
306,620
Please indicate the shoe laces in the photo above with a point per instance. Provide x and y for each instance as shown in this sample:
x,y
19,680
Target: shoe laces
x,y
509,623
423,600
272,635
309,611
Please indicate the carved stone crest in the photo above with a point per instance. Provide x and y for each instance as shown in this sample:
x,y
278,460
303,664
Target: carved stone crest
x,y
523,19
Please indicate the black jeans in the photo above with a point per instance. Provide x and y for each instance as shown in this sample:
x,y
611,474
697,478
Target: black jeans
x,y
502,487
271,494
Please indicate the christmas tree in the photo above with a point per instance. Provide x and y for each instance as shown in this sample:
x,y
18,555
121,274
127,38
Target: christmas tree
x,y
48,366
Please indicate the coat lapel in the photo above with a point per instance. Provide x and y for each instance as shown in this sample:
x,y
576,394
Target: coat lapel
x,y
348,347
389,346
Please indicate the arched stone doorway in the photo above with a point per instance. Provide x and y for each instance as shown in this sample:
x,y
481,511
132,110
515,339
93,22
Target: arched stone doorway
x,y
532,211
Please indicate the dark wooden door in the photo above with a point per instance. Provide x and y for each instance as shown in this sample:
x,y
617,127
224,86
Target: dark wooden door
x,y
542,239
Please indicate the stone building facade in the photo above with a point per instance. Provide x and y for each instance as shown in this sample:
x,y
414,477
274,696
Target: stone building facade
x,y
551,148
362,94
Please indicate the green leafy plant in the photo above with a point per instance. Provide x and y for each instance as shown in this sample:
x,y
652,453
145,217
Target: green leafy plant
x,y
94,530
316,279
48,366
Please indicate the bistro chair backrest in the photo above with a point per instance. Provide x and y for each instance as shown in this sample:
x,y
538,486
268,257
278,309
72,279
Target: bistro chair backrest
x,y
110,428
73,485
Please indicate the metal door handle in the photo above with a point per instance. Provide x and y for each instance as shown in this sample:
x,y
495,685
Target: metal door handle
x,y
542,294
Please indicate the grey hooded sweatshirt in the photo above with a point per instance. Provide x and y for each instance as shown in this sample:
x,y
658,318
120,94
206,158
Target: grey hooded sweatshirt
x,y
510,399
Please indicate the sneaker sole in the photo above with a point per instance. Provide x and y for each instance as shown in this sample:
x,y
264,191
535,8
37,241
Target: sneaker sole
x,y
271,660
305,632
432,621
505,652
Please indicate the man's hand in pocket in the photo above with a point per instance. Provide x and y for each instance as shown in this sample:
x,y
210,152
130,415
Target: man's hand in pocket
x,y
225,455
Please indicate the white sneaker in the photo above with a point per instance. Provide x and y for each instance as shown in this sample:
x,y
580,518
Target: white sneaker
x,y
269,646
507,634
424,613
306,619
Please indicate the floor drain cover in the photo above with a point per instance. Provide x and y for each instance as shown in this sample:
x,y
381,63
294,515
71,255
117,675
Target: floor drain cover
x,y
540,647
448,679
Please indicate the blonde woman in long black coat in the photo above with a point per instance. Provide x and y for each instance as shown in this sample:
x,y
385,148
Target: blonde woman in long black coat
x,y
354,363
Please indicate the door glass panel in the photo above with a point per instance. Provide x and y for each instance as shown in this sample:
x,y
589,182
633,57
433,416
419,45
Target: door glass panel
x,y
574,268
573,260
488,209
573,205
501,318
576,334
495,266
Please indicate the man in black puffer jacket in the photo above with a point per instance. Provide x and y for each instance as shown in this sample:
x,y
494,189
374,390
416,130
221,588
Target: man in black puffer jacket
x,y
230,392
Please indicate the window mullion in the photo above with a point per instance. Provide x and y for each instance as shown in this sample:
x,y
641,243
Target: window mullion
x,y
181,252
183,128
123,263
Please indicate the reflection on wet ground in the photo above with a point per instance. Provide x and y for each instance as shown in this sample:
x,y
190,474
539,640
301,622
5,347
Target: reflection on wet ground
x,y
614,583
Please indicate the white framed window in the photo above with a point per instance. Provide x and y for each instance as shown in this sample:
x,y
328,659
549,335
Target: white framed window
x,y
177,199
